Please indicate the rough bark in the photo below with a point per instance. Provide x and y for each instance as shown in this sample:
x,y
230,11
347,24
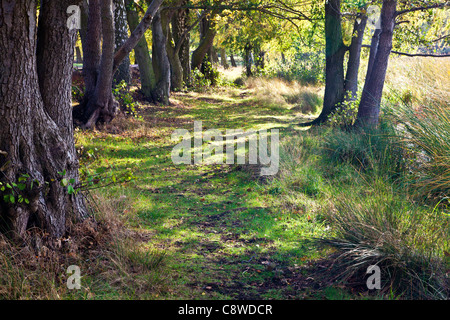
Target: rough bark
x,y
176,68
101,105
369,108
121,36
354,59
335,54
181,36
36,135
141,53
161,64
92,48
207,34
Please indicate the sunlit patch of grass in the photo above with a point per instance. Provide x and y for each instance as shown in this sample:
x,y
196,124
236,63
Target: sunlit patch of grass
x,y
419,80
278,92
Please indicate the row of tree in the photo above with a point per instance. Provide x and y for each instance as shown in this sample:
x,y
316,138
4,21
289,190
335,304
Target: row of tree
x,y
37,150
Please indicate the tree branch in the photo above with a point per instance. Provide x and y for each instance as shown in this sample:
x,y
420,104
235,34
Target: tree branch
x,y
434,6
414,54
137,34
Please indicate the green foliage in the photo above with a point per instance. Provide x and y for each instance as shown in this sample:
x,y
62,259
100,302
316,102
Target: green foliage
x,y
16,192
77,93
127,103
307,66
210,73
199,81
345,114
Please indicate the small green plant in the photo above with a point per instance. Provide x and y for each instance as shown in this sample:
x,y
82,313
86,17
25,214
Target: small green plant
x,y
199,81
345,114
77,93
127,104
15,192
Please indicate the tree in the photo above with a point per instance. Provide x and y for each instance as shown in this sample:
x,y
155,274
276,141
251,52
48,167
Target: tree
x,y
341,87
181,36
369,108
121,35
161,64
141,53
208,32
36,131
100,65
382,43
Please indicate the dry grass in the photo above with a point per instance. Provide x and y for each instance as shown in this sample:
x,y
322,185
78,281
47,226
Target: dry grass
x,y
302,99
111,257
419,80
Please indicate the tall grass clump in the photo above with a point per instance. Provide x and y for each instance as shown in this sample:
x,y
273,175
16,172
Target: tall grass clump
x,y
374,220
374,150
425,133
404,240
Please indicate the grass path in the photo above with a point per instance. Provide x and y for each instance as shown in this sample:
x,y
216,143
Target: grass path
x,y
226,234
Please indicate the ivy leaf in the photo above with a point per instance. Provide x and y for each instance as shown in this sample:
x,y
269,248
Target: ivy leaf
x,y
70,189
64,182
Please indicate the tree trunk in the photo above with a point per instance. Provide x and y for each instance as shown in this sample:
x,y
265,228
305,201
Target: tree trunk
x,y
369,108
223,58
79,55
161,64
207,34
92,48
84,22
214,56
335,53
283,58
373,52
180,25
233,61
101,105
121,36
36,137
176,69
354,60
141,53
248,60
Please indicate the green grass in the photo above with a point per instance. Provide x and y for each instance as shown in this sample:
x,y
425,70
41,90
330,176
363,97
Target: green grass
x,y
218,228
217,225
